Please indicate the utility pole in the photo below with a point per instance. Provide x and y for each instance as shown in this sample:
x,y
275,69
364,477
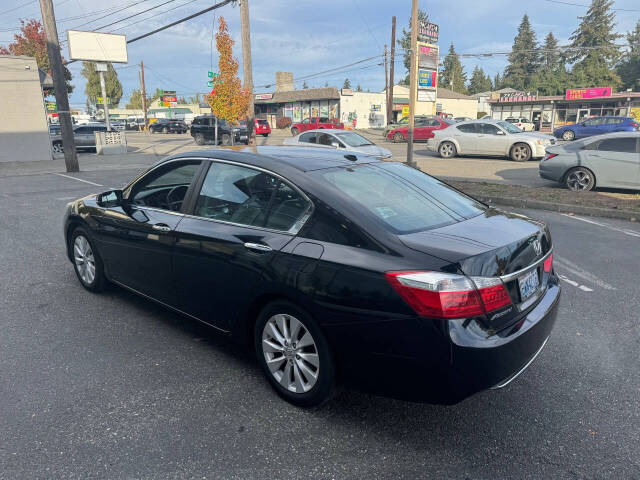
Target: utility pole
x,y
144,95
413,83
59,85
101,68
393,54
246,67
386,83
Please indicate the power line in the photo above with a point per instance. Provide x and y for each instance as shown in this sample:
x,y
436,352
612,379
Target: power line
x,y
113,13
589,6
153,16
18,7
530,50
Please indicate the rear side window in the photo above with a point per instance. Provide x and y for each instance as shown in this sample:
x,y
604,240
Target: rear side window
x,y
626,145
309,137
404,199
467,128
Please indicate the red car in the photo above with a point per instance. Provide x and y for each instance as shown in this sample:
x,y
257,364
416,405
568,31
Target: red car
x,y
313,123
262,127
423,129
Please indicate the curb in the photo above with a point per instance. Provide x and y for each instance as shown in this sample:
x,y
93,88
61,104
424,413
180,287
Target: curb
x,y
559,207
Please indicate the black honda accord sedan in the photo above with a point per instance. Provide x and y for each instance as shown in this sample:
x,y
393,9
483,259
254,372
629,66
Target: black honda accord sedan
x,y
335,268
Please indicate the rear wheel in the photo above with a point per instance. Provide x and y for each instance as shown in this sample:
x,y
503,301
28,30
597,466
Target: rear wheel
x,y
520,152
265,134
226,139
294,354
165,130
398,137
580,179
294,131
199,138
57,147
86,261
447,150
568,135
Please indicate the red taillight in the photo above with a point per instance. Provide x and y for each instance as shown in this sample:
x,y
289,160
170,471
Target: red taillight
x,y
634,124
548,263
549,156
445,295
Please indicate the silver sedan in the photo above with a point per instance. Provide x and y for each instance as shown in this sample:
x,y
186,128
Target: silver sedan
x,y
489,137
343,139
611,160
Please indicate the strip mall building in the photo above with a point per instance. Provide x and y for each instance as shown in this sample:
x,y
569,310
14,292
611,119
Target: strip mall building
x,y
549,112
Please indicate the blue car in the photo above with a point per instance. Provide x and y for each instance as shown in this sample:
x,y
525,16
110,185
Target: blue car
x,y
596,126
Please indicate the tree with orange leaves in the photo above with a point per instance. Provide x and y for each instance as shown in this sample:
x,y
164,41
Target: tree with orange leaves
x,y
230,100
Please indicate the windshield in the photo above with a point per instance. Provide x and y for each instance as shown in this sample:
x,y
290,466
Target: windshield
x,y
510,128
353,139
403,199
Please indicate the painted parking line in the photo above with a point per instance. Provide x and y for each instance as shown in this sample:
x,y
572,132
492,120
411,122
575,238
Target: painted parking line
x,y
580,272
79,179
626,231
584,288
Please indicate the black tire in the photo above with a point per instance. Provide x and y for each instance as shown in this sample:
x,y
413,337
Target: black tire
x,y
580,179
57,147
165,130
324,387
99,281
225,139
265,134
447,150
152,130
568,135
520,152
199,138
294,132
398,138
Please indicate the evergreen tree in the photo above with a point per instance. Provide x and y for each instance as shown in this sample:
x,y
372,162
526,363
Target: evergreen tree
x,y
593,51
135,101
346,84
93,89
404,42
304,85
452,75
498,82
358,88
552,77
523,59
629,68
479,81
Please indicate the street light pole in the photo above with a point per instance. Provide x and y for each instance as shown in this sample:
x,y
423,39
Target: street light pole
x,y
247,68
393,54
413,82
59,85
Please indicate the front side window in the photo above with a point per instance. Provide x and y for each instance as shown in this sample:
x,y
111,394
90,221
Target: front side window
x,y
626,145
165,187
245,196
326,139
305,121
488,129
509,127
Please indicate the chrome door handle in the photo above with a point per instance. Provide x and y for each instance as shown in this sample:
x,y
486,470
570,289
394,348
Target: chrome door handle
x,y
161,227
257,246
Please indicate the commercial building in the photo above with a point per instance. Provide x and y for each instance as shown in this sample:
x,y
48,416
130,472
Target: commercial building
x,y
24,132
549,112
298,104
363,109
484,107
446,101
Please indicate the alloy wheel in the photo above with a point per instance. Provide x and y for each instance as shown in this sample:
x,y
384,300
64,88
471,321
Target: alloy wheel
x,y
57,148
521,153
84,259
578,180
446,150
291,353
568,135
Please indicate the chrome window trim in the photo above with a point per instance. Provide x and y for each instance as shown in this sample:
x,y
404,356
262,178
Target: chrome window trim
x,y
127,189
514,275
297,226
154,209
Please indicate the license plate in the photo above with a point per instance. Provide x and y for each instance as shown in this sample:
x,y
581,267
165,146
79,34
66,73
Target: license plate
x,y
528,284
243,137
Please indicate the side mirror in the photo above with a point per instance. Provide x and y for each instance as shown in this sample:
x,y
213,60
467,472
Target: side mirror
x,y
110,199
500,132
335,144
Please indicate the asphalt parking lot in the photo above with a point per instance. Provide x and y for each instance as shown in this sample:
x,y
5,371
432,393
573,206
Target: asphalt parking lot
x,y
112,386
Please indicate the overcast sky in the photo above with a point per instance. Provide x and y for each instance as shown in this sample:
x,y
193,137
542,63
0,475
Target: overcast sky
x,y
301,36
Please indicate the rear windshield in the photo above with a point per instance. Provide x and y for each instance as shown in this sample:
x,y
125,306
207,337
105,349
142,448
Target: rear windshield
x,y
404,199
262,122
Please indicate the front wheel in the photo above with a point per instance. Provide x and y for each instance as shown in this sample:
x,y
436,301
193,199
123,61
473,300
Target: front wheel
x,y
447,150
398,137
226,139
199,138
294,131
57,147
580,179
265,135
568,136
86,261
294,355
165,130
520,152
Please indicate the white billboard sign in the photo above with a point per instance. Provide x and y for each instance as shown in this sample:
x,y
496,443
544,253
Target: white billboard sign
x,y
97,47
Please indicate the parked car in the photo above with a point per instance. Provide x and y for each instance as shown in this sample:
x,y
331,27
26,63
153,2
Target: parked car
x,y
522,123
262,127
54,129
461,119
490,137
611,160
596,126
330,267
83,136
134,123
118,125
166,125
314,123
203,131
423,129
403,122
341,139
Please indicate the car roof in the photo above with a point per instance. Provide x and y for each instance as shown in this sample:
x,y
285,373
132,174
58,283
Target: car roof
x,y
335,131
285,160
481,120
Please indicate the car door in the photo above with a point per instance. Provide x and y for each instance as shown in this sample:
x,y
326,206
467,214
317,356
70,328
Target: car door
x,y
137,239
308,137
327,140
91,139
614,161
492,140
240,220
421,129
465,135
81,136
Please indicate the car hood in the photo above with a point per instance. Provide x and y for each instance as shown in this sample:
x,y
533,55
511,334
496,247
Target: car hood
x,y
490,244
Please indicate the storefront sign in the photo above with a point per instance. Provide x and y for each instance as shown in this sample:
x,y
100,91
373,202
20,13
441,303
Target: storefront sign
x,y
428,32
100,101
405,110
51,106
427,78
168,98
376,107
428,56
518,97
346,91
426,95
580,93
264,96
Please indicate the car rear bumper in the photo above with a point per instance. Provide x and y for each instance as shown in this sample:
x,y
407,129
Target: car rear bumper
x,y
441,362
